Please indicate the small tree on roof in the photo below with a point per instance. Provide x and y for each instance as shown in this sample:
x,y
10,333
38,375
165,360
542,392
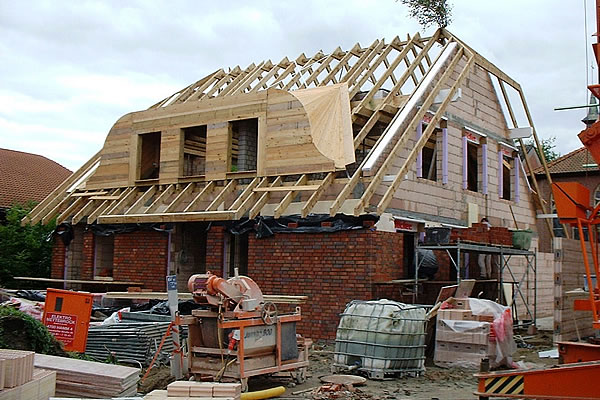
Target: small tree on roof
x,y
430,12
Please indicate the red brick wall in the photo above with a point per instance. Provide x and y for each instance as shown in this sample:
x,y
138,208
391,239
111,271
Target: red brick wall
x,y
215,242
331,268
87,265
141,257
57,269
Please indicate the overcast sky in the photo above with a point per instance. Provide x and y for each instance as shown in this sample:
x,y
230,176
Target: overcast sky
x,y
70,69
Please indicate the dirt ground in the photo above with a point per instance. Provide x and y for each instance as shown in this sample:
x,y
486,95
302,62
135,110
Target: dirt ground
x,y
435,383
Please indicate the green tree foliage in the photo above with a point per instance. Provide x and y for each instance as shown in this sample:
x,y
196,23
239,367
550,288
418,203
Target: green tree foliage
x,y
430,12
548,148
24,250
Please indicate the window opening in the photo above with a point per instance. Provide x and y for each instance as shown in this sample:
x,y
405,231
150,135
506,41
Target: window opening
x,y
472,167
429,163
244,145
194,150
507,170
150,155
237,254
104,248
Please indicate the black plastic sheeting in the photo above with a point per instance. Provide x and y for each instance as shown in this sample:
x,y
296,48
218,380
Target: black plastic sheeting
x,y
269,226
65,230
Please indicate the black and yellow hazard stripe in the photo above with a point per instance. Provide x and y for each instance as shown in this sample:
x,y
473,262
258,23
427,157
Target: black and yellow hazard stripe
x,y
513,384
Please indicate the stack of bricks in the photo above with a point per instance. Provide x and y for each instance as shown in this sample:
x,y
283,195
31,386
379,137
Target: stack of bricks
x,y
467,345
204,390
16,367
481,233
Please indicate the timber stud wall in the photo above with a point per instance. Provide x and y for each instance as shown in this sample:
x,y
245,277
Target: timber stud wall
x,y
141,257
332,269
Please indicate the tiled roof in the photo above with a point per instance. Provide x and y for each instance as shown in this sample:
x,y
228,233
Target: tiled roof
x,y
574,161
26,176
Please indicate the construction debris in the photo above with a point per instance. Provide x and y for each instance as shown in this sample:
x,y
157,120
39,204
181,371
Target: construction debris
x,y
79,378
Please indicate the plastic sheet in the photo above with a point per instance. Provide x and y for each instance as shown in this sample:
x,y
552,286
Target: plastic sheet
x,y
268,226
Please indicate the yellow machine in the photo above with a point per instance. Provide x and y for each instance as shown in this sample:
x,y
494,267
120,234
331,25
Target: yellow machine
x,y
239,335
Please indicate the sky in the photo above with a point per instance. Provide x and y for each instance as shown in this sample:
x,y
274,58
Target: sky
x,y
70,69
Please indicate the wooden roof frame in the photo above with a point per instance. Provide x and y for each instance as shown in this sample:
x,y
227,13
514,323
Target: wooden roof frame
x,y
366,70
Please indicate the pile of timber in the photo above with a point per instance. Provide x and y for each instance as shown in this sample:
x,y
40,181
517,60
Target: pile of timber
x,y
126,341
200,390
20,380
79,378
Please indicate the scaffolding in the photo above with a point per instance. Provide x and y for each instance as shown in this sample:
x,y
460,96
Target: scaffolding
x,y
505,254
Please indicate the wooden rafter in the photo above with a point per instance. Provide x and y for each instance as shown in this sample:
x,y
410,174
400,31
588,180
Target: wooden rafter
x,y
160,200
401,143
91,218
287,199
249,201
200,196
180,197
310,203
247,192
127,197
69,210
220,198
147,195
264,198
412,156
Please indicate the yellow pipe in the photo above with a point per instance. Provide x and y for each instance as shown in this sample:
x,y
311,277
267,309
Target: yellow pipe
x,y
263,394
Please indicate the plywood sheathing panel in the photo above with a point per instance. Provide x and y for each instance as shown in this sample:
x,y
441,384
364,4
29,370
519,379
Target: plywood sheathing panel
x,y
328,110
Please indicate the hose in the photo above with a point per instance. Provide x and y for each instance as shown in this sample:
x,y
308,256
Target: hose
x,y
264,394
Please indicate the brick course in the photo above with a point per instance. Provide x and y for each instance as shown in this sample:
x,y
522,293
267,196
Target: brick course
x,y
215,242
141,257
58,259
87,265
330,268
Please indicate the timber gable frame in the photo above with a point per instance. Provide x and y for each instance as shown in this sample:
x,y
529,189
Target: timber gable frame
x,y
315,115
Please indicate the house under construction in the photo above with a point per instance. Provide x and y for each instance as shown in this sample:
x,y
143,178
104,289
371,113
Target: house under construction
x,y
313,176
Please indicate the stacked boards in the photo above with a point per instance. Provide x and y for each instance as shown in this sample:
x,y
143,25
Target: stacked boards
x,y
79,378
198,390
20,380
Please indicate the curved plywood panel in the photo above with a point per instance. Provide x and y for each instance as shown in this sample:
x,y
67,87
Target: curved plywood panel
x,y
328,109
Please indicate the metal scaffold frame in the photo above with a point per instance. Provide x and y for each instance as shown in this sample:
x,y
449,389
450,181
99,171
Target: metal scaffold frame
x,y
505,253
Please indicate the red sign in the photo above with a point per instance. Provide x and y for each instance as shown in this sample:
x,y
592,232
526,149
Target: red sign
x,y
472,137
404,225
62,326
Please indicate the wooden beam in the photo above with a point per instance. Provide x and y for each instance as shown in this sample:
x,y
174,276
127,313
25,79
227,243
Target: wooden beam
x,y
147,195
287,199
528,163
55,196
84,211
246,193
205,190
69,210
389,193
160,199
107,197
180,197
168,217
257,207
295,188
105,205
369,70
52,213
127,196
349,54
249,201
401,143
227,190
310,203
86,194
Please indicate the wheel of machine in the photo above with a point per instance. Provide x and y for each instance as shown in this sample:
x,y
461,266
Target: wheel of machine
x,y
269,313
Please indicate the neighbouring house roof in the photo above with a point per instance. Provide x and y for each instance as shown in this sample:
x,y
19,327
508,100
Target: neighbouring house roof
x,y
360,99
577,161
27,177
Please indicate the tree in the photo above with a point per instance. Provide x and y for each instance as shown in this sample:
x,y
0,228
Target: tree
x,y
548,148
430,12
24,250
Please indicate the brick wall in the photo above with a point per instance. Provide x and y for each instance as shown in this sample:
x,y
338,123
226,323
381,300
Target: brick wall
x,y
141,257
58,259
87,266
330,268
214,249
